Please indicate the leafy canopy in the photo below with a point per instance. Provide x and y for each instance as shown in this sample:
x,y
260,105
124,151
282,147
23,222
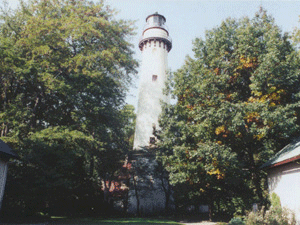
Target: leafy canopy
x,y
237,104
65,69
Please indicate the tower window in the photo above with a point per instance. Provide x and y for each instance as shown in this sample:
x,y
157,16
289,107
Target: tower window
x,y
152,140
153,128
154,78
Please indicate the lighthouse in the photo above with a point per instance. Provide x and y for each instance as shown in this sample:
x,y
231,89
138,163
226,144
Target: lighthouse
x,y
155,44
150,192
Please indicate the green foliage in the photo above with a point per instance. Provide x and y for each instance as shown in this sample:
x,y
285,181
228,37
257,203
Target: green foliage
x,y
236,221
128,116
237,104
275,215
275,200
255,218
65,68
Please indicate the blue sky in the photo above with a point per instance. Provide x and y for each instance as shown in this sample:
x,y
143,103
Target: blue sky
x,y
188,19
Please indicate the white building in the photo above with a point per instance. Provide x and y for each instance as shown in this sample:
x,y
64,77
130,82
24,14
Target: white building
x,y
284,177
155,44
5,154
147,196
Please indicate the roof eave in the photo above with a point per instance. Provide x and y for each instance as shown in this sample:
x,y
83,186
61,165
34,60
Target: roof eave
x,y
269,165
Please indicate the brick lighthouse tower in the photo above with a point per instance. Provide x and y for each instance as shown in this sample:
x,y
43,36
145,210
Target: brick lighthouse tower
x,y
155,44
149,192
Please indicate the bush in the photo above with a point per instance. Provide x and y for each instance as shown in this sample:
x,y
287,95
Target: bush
x,y
255,218
276,215
275,200
236,221
273,216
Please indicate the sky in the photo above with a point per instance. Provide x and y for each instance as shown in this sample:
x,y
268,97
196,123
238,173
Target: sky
x,y
189,19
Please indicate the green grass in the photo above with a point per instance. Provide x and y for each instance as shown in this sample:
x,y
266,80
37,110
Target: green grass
x,y
93,221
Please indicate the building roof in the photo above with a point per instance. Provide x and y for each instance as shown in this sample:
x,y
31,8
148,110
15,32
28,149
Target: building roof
x,y
6,151
156,14
289,153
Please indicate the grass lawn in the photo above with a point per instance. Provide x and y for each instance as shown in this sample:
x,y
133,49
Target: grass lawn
x,y
94,221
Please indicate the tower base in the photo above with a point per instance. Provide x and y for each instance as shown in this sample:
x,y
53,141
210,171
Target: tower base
x,y
150,192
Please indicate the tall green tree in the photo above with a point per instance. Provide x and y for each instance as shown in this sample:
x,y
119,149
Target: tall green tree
x,y
237,104
65,68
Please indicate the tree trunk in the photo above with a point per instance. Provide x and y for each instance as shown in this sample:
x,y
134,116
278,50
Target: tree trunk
x,y
255,176
106,191
125,202
167,190
210,205
34,115
92,166
137,196
210,211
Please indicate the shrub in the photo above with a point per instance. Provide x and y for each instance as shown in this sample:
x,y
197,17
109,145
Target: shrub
x,y
255,218
275,200
236,221
276,215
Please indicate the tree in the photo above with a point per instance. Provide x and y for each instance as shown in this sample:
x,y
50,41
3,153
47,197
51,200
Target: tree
x,y
163,181
65,69
237,104
129,119
141,181
113,168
